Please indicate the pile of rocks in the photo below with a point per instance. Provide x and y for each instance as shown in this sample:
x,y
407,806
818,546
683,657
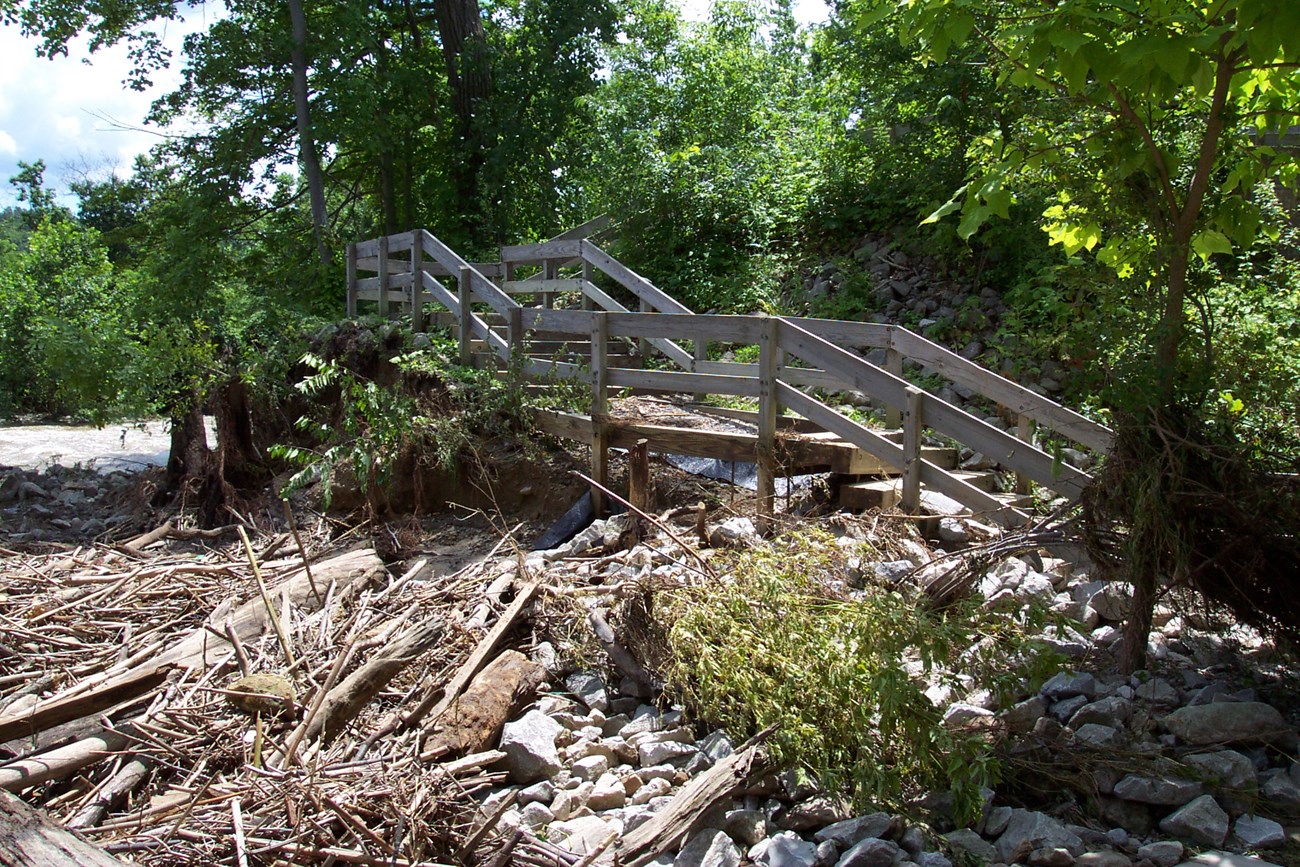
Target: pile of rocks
x,y
61,503
1154,766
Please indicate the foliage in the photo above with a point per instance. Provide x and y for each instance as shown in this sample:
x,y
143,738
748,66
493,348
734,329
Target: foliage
x,y
843,676
708,147
426,407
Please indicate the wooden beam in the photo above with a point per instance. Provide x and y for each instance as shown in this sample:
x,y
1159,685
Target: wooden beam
x,y
913,413
599,410
768,409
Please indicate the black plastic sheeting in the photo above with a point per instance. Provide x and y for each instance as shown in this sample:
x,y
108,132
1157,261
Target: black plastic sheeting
x,y
572,522
740,473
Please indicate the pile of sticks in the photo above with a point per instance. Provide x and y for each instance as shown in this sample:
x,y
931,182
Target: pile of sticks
x,y
205,703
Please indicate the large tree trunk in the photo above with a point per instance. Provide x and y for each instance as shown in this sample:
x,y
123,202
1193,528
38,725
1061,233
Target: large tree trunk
x,y
469,75
307,155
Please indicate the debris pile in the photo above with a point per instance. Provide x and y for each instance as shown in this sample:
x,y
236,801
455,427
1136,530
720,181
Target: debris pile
x,y
182,699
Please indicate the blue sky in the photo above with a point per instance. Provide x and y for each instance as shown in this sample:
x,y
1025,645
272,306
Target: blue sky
x,y
74,113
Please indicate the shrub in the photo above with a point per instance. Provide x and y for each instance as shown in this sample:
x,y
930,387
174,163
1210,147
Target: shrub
x,y
843,675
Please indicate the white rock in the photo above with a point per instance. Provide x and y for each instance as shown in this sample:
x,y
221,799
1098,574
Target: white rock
x,y
608,793
662,753
788,849
871,852
535,815
590,767
590,688
655,788
529,745
708,848
735,532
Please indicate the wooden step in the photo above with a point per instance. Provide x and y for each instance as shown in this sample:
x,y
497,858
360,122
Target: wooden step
x,y
885,493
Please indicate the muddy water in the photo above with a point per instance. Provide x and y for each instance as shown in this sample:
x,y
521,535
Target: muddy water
x,y
125,446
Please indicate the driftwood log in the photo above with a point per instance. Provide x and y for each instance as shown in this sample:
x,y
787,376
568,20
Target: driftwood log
x,y
472,722
29,839
670,826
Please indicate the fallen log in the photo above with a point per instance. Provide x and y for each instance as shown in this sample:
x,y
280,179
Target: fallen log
x,y
345,701
59,763
477,659
671,825
58,711
473,721
122,784
30,839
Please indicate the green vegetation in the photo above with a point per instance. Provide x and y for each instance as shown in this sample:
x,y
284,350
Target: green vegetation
x,y
843,675
1121,179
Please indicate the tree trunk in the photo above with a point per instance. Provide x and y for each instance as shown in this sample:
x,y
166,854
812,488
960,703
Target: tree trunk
x,y
307,155
469,75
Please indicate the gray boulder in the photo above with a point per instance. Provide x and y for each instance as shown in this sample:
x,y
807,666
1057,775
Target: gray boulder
x,y
850,832
1171,791
1068,684
1028,830
1234,722
871,852
1201,821
1163,853
965,841
1257,832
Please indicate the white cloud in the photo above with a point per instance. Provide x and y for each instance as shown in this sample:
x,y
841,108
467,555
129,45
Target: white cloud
x,y
74,112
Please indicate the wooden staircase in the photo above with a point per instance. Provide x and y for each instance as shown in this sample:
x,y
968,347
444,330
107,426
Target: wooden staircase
x,y
585,316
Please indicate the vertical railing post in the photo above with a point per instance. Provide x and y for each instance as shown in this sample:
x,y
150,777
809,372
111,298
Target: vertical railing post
x,y
912,413
549,272
768,362
417,281
383,276
588,275
599,409
1025,432
642,344
515,334
352,280
465,318
894,365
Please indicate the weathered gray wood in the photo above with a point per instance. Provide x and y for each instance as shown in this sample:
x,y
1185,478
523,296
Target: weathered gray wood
x,y
912,419
600,381
768,409
56,711
28,838
932,475
465,322
481,287
682,326
352,279
850,335
534,286
676,382
435,291
943,417
638,474
1011,395
62,762
667,347
792,375
383,276
537,254
632,281
417,284
1024,432
575,322
894,364
691,805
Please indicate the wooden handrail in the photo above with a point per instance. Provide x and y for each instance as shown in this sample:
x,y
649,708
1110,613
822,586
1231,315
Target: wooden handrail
x,y
824,345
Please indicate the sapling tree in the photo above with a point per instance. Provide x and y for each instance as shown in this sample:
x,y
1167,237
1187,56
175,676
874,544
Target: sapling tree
x,y
1151,120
